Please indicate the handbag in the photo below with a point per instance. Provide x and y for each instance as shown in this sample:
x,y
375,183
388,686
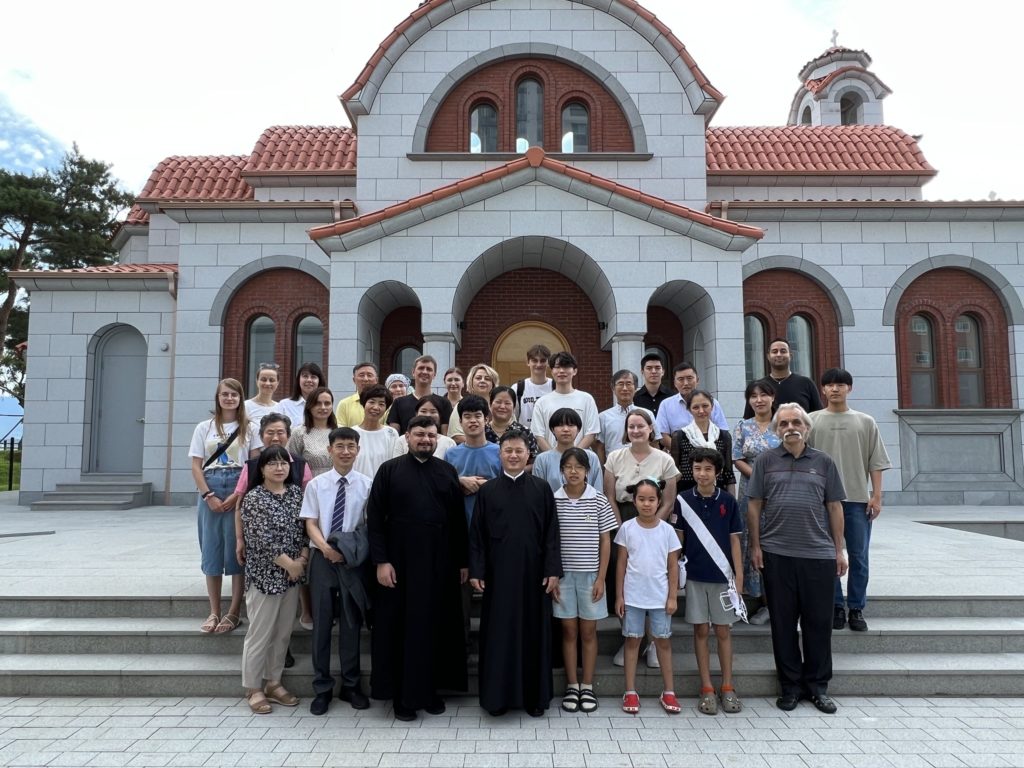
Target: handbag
x,y
731,598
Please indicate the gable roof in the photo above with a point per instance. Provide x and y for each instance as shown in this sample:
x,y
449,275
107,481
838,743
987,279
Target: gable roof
x,y
215,177
535,162
303,149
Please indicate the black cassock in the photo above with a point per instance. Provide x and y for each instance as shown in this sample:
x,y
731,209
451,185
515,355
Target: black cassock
x,y
416,521
513,546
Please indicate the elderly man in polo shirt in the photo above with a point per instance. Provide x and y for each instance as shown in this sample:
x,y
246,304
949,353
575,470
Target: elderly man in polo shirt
x,y
795,518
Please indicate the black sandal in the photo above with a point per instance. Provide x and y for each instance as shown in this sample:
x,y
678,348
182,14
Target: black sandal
x,y
571,699
588,701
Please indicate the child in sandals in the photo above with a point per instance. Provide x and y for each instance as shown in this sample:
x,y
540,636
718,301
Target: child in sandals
x,y
647,578
585,519
705,581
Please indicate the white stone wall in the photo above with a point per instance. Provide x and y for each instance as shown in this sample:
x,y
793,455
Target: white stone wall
x,y
786,193
63,325
866,259
675,135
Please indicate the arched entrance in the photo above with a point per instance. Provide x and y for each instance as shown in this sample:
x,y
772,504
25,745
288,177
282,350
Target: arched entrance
x,y
509,356
118,402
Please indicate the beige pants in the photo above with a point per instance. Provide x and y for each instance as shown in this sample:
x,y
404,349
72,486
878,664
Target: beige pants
x,y
271,618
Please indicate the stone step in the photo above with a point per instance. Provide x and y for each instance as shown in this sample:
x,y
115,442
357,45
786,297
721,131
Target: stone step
x,y
126,486
196,606
180,635
897,675
97,492
80,502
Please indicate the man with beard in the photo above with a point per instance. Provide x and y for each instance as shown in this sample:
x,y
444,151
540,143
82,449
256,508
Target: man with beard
x,y
790,387
795,518
417,529
516,562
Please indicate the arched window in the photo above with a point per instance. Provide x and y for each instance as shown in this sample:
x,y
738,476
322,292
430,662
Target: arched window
x,y
309,341
968,362
952,343
805,118
529,114
260,348
404,359
851,109
483,128
921,340
575,128
800,336
753,347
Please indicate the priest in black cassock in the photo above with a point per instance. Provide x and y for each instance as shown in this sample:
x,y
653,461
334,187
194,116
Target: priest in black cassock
x,y
416,522
515,559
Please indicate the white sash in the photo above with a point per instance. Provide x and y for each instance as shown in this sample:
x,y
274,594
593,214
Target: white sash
x,y
731,599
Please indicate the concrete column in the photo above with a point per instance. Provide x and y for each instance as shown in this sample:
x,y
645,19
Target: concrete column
x,y
627,349
441,346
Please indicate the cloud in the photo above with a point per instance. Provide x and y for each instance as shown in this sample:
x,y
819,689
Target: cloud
x,y
25,147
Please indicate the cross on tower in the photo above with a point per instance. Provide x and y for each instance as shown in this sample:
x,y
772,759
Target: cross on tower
x,y
835,36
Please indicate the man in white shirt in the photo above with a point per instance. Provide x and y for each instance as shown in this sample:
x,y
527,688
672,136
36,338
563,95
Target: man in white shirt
x,y
530,390
563,369
674,414
335,505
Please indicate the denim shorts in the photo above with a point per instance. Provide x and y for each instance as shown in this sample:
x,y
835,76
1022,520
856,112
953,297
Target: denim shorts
x,y
633,623
217,529
576,599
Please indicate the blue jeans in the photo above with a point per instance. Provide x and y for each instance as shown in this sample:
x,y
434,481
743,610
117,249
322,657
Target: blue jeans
x,y
857,532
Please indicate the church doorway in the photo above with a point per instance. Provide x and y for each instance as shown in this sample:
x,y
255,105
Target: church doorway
x,y
509,356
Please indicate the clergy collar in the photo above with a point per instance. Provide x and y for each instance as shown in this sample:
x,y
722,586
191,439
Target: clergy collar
x,y
588,492
516,477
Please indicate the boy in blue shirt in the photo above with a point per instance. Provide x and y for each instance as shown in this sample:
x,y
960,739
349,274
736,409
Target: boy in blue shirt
x,y
705,581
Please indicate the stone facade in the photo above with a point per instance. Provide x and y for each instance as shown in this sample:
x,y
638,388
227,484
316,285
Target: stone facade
x,y
670,237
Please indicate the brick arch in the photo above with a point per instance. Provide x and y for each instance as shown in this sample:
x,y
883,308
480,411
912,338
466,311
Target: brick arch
x,y
400,328
285,296
610,131
775,295
533,294
944,294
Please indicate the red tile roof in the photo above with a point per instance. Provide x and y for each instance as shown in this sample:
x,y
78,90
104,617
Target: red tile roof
x,y
118,269
304,149
136,216
535,158
814,86
805,149
835,53
427,7
198,178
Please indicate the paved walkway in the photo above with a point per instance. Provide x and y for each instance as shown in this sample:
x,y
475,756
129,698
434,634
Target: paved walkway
x,y
925,733
153,552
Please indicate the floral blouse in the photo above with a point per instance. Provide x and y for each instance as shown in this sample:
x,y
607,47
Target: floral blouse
x,y
313,446
271,527
531,441
749,442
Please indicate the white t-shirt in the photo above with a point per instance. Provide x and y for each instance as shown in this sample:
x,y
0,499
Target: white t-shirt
x,y
205,440
255,411
581,402
531,394
646,582
375,447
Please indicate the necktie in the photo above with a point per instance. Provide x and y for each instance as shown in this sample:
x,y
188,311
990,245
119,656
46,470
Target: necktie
x,y
338,519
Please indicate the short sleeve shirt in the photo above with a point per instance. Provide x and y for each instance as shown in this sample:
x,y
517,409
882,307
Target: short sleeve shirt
x,y
646,582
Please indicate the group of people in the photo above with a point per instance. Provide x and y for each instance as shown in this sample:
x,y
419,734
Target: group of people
x,y
390,512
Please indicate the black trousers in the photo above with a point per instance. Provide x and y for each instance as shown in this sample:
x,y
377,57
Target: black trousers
x,y
798,592
323,576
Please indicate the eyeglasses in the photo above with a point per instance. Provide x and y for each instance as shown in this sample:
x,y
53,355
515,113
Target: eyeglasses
x,y
277,464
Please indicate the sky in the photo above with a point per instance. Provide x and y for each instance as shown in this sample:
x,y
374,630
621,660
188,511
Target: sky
x,y
132,84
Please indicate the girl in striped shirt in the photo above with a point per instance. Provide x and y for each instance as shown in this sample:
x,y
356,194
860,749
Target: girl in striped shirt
x,y
585,520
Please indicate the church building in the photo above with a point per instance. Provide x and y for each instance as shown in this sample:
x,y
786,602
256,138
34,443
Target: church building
x,y
520,172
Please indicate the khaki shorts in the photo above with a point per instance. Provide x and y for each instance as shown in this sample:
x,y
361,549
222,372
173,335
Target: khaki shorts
x,y
704,604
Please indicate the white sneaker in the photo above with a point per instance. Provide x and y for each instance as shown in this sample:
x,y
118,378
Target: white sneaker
x,y
652,657
761,616
619,659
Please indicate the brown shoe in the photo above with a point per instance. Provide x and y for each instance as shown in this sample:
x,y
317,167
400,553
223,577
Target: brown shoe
x,y
258,703
278,694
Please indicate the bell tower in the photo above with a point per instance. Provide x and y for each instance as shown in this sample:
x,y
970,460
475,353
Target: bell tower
x,y
837,88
